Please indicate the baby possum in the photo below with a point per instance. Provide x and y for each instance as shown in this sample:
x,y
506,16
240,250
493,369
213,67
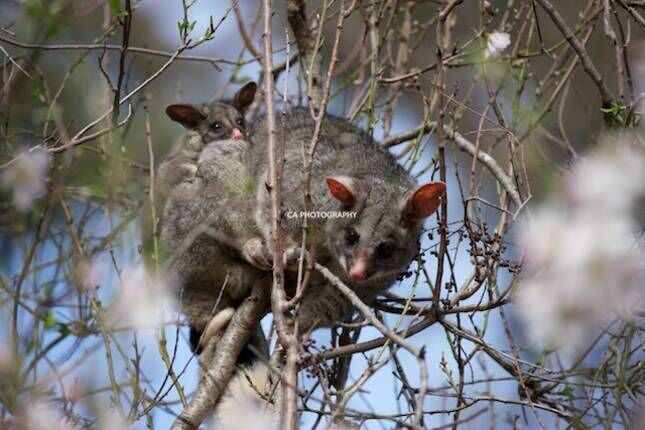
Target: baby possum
x,y
204,123
215,121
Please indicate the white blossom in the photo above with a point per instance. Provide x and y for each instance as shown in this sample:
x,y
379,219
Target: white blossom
x,y
585,260
42,415
141,300
242,405
496,43
26,176
611,181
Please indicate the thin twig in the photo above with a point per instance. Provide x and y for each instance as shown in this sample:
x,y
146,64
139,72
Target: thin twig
x,y
465,145
279,307
131,49
587,64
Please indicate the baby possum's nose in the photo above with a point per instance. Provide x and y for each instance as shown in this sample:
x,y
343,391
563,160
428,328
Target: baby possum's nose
x,y
236,134
360,264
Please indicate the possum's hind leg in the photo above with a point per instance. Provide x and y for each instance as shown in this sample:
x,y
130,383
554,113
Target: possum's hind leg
x,y
256,349
216,326
214,329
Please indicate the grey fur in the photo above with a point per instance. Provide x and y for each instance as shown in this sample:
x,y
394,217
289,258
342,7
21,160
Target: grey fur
x,y
385,187
211,272
201,186
180,164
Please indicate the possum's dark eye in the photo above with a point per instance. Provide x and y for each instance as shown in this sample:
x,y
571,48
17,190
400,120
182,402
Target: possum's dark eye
x,y
385,250
240,122
216,126
351,237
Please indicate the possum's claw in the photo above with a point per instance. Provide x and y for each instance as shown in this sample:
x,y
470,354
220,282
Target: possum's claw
x,y
256,254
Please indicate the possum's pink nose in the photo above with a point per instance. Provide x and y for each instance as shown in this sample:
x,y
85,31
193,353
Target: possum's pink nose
x,y
237,134
358,271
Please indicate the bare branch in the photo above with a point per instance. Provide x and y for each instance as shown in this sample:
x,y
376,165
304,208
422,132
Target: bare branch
x,y
222,365
605,93
297,17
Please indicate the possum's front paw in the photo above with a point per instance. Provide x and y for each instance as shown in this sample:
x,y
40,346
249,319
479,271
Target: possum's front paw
x,y
292,257
256,254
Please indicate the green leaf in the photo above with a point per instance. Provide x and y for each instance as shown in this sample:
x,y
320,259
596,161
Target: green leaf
x,y
36,9
37,93
375,119
49,320
115,6
64,329
566,391
619,115
53,29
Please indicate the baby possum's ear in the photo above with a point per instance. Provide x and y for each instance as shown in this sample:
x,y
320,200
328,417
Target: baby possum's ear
x,y
422,202
347,190
244,97
187,115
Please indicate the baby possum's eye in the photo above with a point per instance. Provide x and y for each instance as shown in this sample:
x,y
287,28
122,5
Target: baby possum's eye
x,y
216,126
240,122
351,237
385,250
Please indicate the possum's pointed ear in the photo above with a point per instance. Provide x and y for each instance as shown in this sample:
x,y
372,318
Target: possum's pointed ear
x,y
187,115
347,190
422,202
244,97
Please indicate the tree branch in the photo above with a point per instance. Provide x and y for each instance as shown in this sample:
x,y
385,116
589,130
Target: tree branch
x,y
366,311
222,365
465,145
587,64
279,302
297,17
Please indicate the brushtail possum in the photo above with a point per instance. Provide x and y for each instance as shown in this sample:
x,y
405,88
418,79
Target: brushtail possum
x,y
379,211
351,175
204,123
